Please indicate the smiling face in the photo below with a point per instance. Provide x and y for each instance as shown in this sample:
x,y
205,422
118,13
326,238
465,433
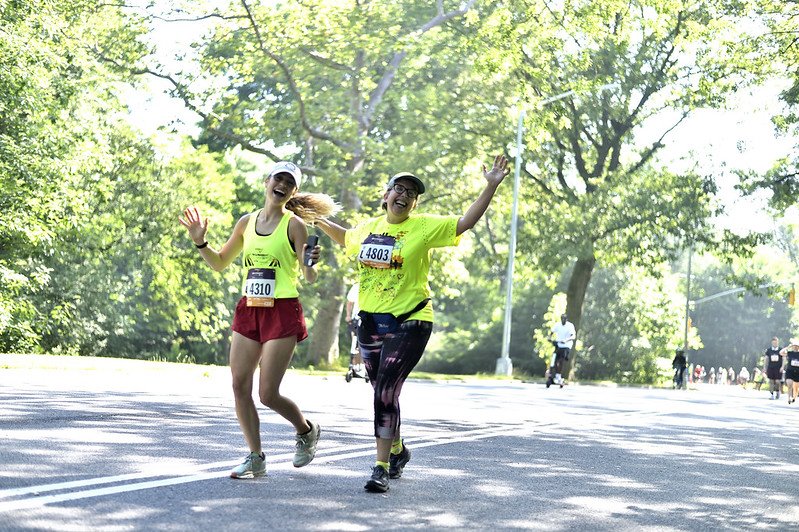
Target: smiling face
x,y
399,204
280,188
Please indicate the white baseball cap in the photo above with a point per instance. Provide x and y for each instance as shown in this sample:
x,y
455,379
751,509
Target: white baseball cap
x,y
410,177
287,167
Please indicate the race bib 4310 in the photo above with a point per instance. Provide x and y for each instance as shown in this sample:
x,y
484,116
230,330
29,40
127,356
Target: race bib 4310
x,y
260,287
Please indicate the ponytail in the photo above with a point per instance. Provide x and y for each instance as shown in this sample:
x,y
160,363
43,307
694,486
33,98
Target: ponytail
x,y
311,206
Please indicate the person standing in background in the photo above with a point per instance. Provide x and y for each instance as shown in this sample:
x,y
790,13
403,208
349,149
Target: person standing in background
x,y
772,361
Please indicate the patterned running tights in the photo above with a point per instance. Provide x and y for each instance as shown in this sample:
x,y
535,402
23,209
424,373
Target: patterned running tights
x,y
389,359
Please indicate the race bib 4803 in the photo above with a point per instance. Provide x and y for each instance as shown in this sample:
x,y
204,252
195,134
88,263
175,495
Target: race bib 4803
x,y
376,251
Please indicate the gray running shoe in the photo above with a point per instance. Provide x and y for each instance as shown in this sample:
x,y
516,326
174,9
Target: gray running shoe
x,y
306,445
253,466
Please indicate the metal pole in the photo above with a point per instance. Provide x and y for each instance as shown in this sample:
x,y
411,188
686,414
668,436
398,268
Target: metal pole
x,y
687,298
504,364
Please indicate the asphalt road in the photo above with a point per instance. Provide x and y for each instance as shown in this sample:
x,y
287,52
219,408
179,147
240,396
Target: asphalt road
x,y
99,444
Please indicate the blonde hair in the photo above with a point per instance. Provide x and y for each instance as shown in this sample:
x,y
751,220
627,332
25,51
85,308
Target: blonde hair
x,y
311,206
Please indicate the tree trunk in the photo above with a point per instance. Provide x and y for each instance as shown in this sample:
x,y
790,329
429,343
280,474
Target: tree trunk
x,y
324,333
332,291
575,296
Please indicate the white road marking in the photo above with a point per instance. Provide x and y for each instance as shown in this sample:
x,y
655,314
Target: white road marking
x,y
277,462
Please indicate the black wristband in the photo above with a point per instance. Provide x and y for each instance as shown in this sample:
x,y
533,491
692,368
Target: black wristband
x,y
200,246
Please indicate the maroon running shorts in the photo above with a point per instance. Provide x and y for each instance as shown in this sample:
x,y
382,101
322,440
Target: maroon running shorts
x,y
269,323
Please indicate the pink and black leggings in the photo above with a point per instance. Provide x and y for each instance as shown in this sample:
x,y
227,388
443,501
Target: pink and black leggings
x,y
389,359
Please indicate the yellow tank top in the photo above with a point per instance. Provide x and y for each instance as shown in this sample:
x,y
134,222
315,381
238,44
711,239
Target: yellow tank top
x,y
269,257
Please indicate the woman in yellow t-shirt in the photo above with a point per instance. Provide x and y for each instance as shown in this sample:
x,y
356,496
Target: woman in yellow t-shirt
x,y
268,321
393,253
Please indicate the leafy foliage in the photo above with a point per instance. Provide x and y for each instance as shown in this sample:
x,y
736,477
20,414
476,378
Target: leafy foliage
x,y
92,260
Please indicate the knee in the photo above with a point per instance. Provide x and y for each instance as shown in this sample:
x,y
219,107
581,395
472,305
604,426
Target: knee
x,y
268,397
242,388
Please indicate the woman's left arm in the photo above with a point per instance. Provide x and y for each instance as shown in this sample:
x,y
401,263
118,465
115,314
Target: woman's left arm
x,y
299,235
476,210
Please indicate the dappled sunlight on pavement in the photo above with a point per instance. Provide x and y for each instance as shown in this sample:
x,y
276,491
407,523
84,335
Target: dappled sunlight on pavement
x,y
116,454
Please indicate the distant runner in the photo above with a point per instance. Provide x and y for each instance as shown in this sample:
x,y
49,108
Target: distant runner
x,y
791,354
772,361
564,335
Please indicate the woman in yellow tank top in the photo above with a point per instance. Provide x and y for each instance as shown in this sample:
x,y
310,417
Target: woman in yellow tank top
x,y
393,254
268,321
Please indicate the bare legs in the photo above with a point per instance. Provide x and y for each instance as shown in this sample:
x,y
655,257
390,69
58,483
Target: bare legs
x,y
793,389
274,357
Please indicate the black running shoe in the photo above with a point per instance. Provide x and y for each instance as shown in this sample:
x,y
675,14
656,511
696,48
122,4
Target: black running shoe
x,y
396,462
379,481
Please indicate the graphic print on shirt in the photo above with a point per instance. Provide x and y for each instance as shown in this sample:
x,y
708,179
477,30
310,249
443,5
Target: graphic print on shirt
x,y
381,254
382,251
261,260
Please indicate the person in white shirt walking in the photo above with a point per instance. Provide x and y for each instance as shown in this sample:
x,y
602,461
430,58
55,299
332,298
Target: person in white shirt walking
x,y
564,335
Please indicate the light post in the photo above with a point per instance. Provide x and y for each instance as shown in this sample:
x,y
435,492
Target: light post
x,y
687,299
504,364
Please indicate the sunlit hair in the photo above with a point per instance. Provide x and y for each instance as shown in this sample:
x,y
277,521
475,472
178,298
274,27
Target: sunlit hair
x,y
311,206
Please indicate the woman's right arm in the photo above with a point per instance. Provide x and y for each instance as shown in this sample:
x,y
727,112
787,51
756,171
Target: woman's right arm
x,y
198,228
332,229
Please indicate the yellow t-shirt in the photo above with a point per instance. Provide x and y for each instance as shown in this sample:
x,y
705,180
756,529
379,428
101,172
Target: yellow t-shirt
x,y
394,261
272,252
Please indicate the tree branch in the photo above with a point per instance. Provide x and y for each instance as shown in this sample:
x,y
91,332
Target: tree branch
x,y
326,61
561,176
197,19
665,64
393,65
538,181
573,136
655,146
183,94
318,133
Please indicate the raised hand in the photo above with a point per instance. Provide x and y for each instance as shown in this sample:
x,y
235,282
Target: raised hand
x,y
498,172
196,224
